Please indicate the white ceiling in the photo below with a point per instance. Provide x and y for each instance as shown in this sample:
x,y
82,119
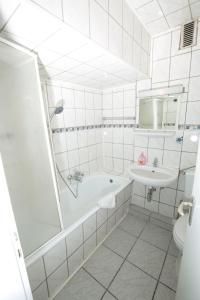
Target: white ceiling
x,y
161,15
64,53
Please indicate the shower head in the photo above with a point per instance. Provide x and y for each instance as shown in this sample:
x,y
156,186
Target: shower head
x,y
58,110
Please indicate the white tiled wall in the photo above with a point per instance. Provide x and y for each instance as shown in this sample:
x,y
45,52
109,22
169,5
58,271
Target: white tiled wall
x,y
49,272
170,66
81,146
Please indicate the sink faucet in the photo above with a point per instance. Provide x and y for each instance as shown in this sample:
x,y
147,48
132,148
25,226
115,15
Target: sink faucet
x,y
77,176
155,162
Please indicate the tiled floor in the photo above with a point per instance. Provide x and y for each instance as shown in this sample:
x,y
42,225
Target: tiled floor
x,y
136,262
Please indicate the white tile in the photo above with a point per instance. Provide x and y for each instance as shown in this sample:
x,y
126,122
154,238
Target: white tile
x,y
194,91
115,10
161,70
34,31
61,161
74,240
137,31
86,53
69,117
79,21
89,246
59,142
54,95
180,66
41,293
101,216
188,160
75,260
89,226
150,12
137,200
55,257
54,7
7,8
128,152
193,113
72,140
162,46
195,71
98,24
101,233
170,6
118,100
73,158
59,44
46,56
157,26
83,155
171,159
179,17
118,135
141,141
166,210
127,48
128,18
171,144
89,100
168,196
156,142
82,138
103,3
79,97
188,145
115,37
137,3
56,279
68,98
80,117
152,206
36,273
129,98
195,8
118,151
65,63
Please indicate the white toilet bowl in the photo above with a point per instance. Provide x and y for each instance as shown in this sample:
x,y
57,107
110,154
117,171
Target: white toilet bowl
x,y
179,231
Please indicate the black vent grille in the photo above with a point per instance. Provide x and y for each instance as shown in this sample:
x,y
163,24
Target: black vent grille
x,y
188,35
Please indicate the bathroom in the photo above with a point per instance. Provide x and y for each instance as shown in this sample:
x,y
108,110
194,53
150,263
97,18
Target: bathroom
x,y
99,158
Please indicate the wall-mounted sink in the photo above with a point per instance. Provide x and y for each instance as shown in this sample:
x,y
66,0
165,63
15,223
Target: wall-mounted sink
x,y
153,176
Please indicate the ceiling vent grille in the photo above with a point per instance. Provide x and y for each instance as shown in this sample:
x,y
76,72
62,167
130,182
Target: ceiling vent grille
x,y
188,35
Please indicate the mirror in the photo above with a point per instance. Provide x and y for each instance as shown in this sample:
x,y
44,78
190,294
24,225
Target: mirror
x,y
158,113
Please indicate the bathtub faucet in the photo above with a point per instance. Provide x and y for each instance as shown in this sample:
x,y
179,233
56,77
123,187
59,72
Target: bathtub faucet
x,y
77,176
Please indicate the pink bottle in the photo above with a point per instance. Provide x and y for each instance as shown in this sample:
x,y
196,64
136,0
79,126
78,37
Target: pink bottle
x,y
142,160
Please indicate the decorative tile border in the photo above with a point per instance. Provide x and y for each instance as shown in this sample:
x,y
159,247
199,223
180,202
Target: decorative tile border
x,y
119,125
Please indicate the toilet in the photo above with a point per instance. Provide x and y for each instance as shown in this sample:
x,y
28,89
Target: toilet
x,y
180,226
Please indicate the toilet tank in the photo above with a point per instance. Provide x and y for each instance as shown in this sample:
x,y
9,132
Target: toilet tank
x,y
189,180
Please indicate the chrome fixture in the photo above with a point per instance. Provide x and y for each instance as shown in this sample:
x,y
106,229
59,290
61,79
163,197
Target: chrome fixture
x,y
77,176
179,139
58,110
182,171
155,162
150,193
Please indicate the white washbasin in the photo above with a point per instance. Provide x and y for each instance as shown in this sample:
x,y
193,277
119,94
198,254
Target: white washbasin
x,y
153,176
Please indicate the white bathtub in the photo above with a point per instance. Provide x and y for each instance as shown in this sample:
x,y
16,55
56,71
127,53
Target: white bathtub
x,y
90,192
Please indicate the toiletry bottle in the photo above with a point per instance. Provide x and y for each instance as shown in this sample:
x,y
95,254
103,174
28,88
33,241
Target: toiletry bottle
x,y
142,160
